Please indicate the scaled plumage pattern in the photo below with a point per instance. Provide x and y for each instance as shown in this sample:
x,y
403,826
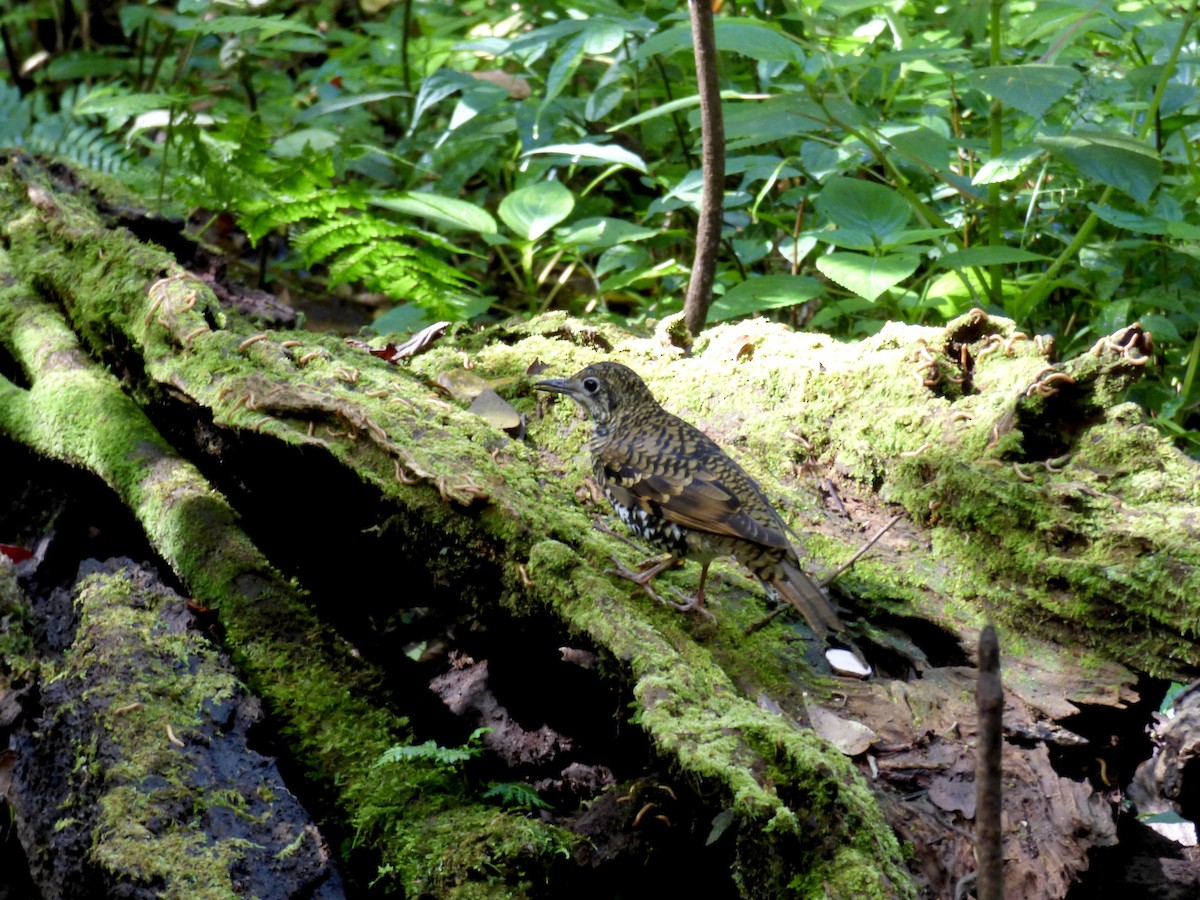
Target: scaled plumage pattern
x,y
676,489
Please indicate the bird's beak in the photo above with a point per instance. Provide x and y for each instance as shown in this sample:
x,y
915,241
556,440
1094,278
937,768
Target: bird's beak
x,y
557,386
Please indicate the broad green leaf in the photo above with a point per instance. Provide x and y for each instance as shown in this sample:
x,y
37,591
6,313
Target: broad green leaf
x,y
531,46
1008,165
81,65
594,153
756,41
266,25
989,256
864,206
532,211
627,257
1161,327
1168,701
437,87
1140,224
346,102
867,276
624,279
673,106
448,211
1185,231
1129,165
600,232
846,238
1032,87
794,250
603,100
602,36
914,236
920,144
774,119
562,72
405,317
292,145
762,293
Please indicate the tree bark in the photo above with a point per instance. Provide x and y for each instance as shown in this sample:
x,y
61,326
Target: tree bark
x,y
1034,496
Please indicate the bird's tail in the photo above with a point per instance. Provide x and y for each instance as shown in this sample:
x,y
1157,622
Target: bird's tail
x,y
803,593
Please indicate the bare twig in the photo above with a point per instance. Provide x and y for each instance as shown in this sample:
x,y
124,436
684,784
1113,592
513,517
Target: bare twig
x,y
989,699
712,167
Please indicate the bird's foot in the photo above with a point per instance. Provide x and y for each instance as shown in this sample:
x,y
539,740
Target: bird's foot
x,y
689,604
644,573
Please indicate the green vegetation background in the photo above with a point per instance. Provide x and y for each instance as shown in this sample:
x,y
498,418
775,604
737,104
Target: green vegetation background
x,y
900,161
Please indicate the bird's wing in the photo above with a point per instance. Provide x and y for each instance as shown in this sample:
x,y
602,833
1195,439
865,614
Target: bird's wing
x,y
702,495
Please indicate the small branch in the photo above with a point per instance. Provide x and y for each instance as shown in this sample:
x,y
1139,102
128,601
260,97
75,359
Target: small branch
x,y
712,167
989,699
861,550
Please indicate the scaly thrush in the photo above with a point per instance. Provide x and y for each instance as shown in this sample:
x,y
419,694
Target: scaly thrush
x,y
677,490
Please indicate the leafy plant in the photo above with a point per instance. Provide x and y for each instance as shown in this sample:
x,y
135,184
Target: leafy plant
x,y
450,758
882,163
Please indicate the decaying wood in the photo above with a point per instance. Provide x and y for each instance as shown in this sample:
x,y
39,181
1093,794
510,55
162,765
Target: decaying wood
x,y
135,772
1033,496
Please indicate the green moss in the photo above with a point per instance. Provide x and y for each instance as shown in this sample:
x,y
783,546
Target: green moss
x,y
149,829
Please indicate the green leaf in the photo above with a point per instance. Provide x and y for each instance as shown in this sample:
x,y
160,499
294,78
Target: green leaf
x,y
448,211
267,25
599,232
600,154
532,211
562,72
867,276
765,292
666,109
82,65
1161,327
1032,88
989,256
914,236
304,140
1136,222
336,104
659,270
921,144
1168,701
1127,164
757,41
602,36
1170,817
1007,166
764,121
863,206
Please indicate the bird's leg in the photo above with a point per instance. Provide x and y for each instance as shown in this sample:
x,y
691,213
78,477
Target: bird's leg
x,y
693,604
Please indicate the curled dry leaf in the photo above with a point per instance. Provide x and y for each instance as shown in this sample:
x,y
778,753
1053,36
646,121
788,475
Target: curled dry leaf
x,y
848,736
495,410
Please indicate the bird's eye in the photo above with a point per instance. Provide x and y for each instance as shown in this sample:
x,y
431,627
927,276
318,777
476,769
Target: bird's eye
x,y
591,385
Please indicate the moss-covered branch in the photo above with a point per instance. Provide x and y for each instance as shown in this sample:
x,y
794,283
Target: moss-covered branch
x,y
1034,496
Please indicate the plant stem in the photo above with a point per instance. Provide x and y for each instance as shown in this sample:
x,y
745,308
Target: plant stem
x,y
995,124
712,167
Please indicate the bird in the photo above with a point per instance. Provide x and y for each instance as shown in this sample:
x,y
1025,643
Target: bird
x,y
677,490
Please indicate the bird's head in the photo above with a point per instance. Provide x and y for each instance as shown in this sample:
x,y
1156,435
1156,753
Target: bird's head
x,y
606,391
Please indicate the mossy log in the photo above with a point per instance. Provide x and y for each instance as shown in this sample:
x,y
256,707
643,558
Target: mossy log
x,y
136,779
1033,497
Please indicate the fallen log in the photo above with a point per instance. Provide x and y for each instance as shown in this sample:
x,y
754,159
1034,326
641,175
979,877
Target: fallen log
x,y
1033,495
